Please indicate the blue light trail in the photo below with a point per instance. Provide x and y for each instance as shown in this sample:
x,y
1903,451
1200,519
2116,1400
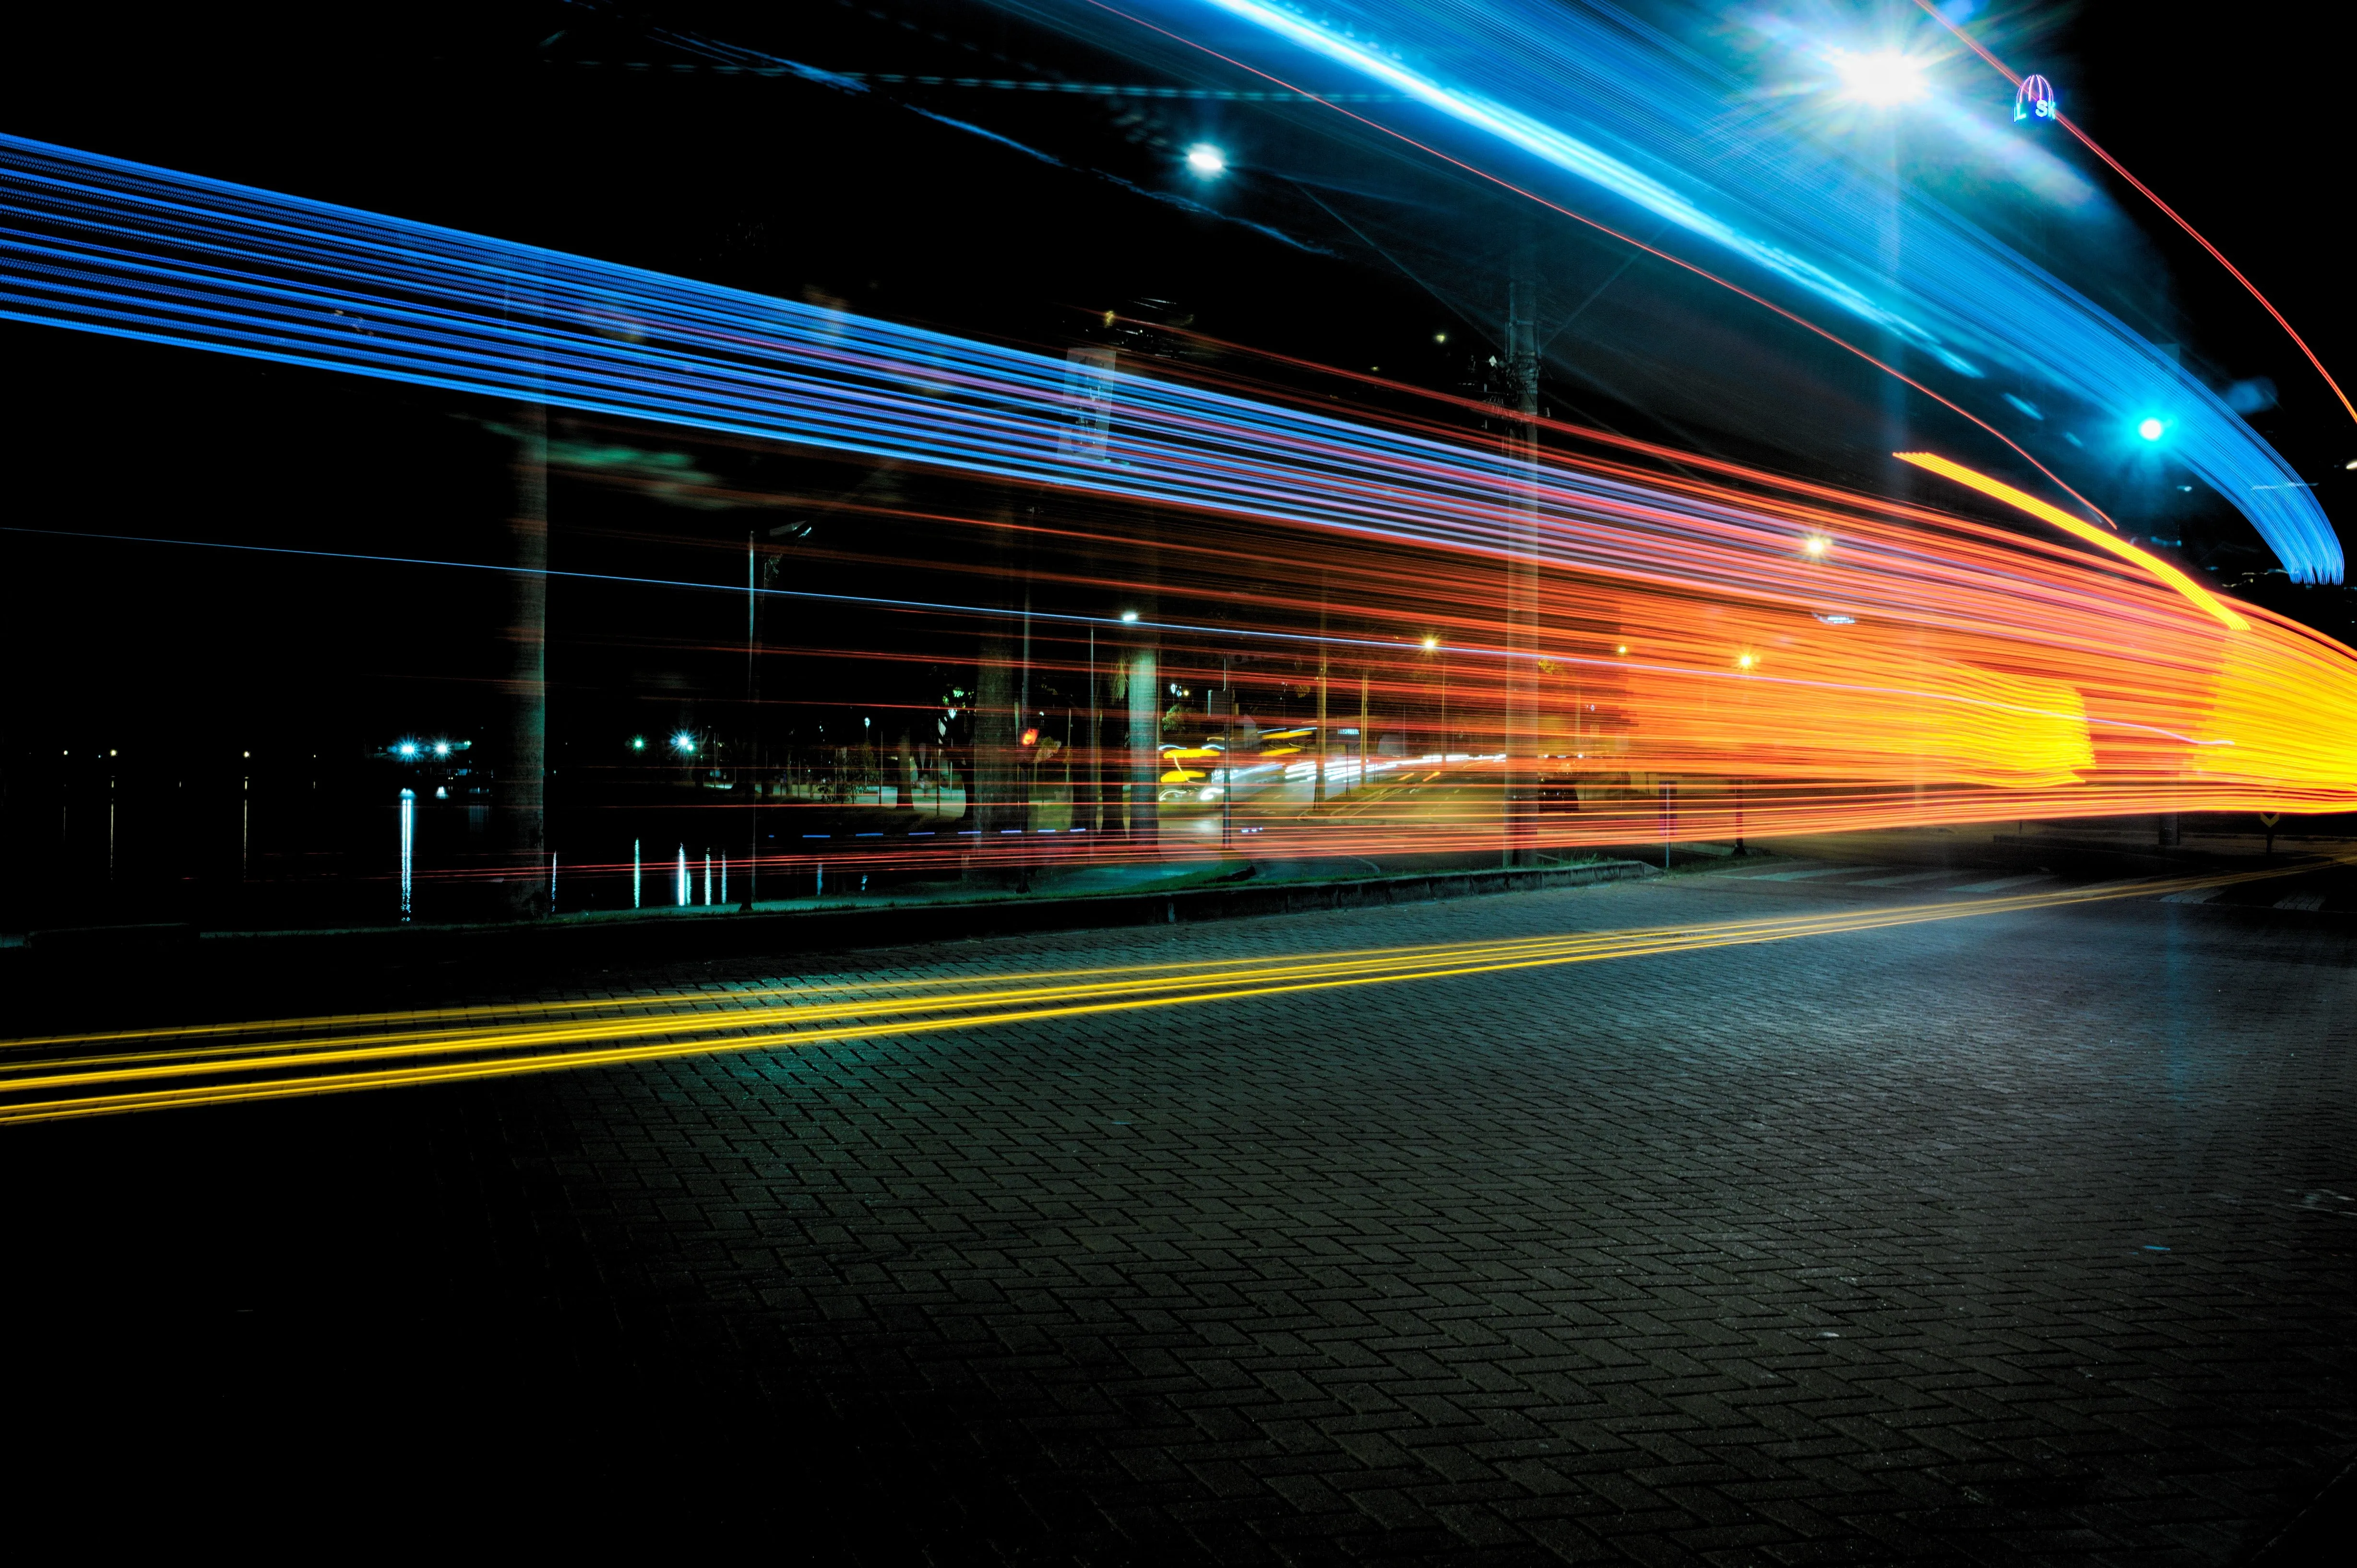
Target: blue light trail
x,y
102,245
1604,115
684,742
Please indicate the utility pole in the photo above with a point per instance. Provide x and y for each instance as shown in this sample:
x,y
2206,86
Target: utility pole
x,y
1365,741
1522,727
752,777
522,785
1096,748
1143,817
1318,785
1026,770
1445,731
1227,751
996,775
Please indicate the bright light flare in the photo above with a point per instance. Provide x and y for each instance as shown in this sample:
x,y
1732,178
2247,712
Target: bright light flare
x,y
683,742
1206,161
2151,429
1884,78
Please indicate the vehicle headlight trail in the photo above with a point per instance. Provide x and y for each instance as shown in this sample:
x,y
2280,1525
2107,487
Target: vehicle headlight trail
x,y
1801,658
286,1058
1594,117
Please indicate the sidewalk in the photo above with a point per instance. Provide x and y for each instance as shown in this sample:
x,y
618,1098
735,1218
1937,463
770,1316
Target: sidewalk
x,y
57,973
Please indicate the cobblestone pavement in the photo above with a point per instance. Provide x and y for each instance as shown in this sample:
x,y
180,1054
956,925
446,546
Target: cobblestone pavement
x,y
2025,1238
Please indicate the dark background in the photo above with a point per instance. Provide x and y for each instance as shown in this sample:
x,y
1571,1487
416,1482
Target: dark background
x,y
178,675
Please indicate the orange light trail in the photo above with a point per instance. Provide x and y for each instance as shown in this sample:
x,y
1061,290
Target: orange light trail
x,y
1998,491
1436,638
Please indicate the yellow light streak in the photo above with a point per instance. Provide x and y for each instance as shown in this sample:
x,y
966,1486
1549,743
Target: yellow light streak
x,y
2078,528
154,1081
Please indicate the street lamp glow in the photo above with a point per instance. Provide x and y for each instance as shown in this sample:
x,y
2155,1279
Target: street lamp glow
x,y
441,749
1884,78
638,742
1431,643
1207,161
683,742
2151,429
1815,545
1125,616
406,750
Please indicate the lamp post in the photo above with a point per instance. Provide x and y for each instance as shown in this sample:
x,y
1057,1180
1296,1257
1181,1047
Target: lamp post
x,y
1432,645
759,575
752,721
1227,751
408,847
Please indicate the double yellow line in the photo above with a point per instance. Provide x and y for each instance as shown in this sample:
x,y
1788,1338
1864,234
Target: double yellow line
x,y
56,1077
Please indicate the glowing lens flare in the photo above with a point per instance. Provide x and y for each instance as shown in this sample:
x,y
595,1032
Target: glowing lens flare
x,y
1207,160
1884,78
1563,91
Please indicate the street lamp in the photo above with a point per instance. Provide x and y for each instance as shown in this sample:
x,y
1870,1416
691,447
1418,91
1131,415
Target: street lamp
x,y
1206,161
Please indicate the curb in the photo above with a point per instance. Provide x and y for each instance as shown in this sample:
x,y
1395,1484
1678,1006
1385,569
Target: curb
x,y
228,958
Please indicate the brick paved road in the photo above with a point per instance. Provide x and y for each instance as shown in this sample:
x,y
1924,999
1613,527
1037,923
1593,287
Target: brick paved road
x,y
2018,1238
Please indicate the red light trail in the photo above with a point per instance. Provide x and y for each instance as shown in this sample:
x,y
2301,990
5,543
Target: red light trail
x,y
2146,191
